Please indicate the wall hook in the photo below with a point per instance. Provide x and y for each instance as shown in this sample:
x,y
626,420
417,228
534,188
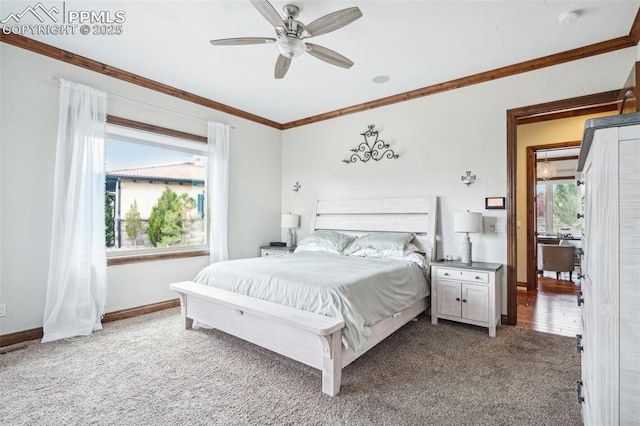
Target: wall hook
x,y
297,187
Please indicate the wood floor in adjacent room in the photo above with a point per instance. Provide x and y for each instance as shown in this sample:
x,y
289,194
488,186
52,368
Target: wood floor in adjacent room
x,y
552,308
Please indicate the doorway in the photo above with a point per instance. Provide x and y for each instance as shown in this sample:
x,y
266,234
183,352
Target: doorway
x,y
550,177
546,302
584,105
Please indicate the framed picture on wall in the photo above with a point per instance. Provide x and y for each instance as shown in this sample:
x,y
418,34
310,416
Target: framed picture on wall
x,y
495,203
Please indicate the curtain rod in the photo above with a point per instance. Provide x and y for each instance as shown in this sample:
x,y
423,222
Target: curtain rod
x,y
56,78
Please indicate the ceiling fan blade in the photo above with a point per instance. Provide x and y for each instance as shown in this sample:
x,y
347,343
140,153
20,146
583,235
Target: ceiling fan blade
x,y
333,21
328,55
282,66
242,40
268,12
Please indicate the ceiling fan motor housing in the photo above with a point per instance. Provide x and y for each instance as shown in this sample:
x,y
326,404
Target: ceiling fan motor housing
x,y
289,42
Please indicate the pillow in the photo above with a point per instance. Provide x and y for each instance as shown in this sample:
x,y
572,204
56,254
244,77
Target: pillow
x,y
380,241
369,252
326,241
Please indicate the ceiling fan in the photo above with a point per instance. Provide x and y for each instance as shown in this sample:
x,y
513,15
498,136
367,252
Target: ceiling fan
x,y
291,35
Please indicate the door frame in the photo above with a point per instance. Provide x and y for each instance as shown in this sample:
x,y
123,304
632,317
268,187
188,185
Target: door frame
x,y
532,181
582,105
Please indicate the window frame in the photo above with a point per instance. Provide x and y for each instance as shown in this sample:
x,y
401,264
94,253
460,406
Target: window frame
x,y
126,130
549,202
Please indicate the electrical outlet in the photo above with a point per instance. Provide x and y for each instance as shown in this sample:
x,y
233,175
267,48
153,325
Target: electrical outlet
x,y
500,227
3,310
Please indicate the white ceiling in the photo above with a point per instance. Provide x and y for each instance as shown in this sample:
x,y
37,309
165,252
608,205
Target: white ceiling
x,y
557,152
565,167
415,43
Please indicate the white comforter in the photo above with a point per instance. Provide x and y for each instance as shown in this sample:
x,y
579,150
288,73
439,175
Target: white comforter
x,y
361,291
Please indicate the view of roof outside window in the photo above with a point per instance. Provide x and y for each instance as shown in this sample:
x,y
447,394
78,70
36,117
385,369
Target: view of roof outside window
x,y
154,197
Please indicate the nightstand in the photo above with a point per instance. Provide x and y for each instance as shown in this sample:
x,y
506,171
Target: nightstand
x,y
275,251
467,292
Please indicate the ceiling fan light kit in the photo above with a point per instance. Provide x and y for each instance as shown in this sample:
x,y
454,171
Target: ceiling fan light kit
x,y
291,47
291,33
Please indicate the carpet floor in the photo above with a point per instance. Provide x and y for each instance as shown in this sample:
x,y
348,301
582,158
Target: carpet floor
x,y
149,371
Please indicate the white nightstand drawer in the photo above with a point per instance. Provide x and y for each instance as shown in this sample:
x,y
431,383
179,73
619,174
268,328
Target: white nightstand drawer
x,y
476,277
455,274
448,274
273,253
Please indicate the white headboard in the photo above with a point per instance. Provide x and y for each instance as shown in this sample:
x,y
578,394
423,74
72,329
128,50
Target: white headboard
x,y
414,214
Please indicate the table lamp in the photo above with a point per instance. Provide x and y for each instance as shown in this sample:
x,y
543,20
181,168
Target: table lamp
x,y
467,222
289,221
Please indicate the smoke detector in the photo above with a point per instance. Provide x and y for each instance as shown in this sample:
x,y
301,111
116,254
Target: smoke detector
x,y
568,17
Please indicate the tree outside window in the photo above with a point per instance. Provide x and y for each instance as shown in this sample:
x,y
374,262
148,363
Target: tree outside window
x,y
133,224
556,208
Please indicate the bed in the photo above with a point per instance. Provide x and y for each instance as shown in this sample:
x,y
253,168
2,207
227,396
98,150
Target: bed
x,y
324,340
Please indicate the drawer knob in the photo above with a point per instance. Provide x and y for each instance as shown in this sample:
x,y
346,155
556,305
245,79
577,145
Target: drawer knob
x,y
477,277
580,298
457,299
580,397
446,274
579,346
464,300
579,215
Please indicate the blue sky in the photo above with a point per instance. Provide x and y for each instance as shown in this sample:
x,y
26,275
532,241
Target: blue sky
x,y
120,155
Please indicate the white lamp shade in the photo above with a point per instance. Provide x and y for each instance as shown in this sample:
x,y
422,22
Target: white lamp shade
x,y
289,221
467,222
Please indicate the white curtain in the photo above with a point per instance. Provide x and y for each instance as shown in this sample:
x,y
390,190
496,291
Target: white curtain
x,y
218,190
76,285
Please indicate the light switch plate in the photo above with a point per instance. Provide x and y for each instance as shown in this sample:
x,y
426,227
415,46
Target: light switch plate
x,y
3,310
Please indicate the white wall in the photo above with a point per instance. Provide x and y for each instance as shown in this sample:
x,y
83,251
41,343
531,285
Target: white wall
x,y
29,112
438,138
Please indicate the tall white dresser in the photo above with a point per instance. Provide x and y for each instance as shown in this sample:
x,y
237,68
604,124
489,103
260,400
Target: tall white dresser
x,y
609,167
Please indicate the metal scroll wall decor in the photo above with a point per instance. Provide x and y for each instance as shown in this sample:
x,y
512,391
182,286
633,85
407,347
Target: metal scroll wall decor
x,y
371,149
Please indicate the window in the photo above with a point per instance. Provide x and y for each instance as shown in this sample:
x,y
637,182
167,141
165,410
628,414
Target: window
x,y
557,205
154,193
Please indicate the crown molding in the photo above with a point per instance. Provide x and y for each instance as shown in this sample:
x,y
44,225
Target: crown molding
x,y
632,39
92,65
634,32
507,71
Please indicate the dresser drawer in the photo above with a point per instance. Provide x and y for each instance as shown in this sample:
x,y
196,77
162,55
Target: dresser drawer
x,y
458,275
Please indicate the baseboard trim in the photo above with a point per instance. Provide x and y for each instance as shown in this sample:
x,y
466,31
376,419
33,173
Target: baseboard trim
x,y
21,336
37,333
521,284
140,310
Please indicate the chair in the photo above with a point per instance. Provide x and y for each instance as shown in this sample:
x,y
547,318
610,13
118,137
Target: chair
x,y
578,245
557,258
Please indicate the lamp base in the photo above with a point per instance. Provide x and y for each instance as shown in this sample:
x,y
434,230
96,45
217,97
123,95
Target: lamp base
x,y
466,250
289,239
